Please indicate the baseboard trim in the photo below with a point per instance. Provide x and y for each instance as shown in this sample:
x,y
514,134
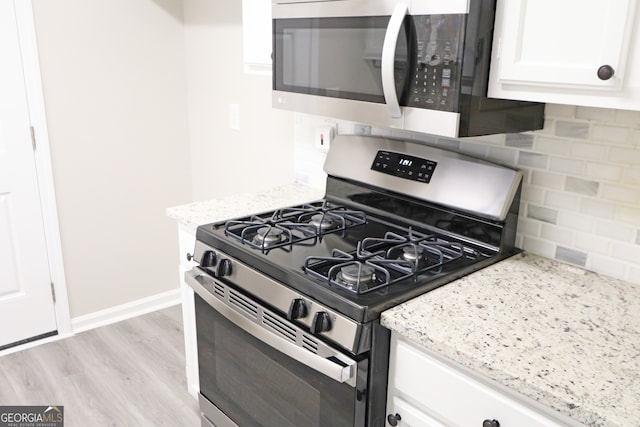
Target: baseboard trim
x,y
125,311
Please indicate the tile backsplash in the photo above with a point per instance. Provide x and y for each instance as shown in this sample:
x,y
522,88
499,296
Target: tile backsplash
x,y
581,192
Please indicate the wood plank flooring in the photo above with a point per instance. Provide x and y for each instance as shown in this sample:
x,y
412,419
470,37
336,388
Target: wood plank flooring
x,y
130,373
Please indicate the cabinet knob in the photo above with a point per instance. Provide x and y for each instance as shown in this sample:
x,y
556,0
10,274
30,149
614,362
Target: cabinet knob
x,y
491,423
606,72
393,419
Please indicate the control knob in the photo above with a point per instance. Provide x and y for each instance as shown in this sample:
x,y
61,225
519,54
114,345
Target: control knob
x,y
208,259
321,322
297,309
223,268
490,423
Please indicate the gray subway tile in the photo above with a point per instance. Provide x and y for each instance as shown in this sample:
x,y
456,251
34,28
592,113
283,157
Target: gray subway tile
x,y
572,129
582,186
533,160
542,214
571,256
519,140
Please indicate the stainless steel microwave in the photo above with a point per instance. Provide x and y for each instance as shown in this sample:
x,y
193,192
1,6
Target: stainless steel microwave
x,y
417,65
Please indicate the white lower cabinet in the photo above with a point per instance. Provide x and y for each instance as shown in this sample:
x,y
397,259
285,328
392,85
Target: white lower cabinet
x,y
425,391
186,243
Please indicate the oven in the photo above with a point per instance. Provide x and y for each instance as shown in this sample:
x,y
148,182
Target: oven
x,y
261,369
288,301
246,348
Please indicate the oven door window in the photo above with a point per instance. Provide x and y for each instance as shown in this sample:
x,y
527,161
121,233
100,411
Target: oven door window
x,y
336,57
255,385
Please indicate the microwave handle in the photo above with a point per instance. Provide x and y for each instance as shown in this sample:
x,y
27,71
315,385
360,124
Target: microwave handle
x,y
389,59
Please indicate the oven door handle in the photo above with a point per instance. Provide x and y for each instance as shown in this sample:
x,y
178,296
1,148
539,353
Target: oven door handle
x,y
341,369
389,60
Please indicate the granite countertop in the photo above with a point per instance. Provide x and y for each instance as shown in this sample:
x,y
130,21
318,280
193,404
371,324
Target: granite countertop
x,y
194,214
568,338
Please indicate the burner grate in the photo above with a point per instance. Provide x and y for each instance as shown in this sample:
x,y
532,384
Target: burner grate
x,y
380,262
304,224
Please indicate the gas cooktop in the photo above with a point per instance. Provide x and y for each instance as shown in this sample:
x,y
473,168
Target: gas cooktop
x,y
354,261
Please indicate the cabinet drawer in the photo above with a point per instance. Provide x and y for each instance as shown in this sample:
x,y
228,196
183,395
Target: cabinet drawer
x,y
411,416
450,396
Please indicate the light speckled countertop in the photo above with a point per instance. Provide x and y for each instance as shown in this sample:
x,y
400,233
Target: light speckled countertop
x,y
565,337
213,210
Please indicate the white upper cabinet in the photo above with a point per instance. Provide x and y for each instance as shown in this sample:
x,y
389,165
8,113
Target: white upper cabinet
x,y
578,52
256,31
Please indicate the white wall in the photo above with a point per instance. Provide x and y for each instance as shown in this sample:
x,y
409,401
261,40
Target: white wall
x,y
114,83
226,161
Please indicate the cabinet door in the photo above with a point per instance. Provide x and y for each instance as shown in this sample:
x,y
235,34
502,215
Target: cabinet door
x,y
256,30
563,43
186,242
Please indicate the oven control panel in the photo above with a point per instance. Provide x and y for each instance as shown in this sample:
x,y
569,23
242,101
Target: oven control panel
x,y
404,166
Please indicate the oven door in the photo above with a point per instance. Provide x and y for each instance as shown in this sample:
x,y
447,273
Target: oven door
x,y
258,369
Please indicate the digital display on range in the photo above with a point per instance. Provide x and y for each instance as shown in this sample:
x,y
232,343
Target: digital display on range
x,y
404,166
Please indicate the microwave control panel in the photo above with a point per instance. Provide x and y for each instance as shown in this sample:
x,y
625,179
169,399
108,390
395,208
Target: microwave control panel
x,y
404,166
434,83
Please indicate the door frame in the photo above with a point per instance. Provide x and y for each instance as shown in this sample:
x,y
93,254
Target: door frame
x,y
42,154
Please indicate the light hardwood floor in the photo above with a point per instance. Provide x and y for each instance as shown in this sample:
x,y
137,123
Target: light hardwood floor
x,y
131,373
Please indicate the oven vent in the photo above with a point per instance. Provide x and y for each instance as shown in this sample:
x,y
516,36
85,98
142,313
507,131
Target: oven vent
x,y
218,290
243,304
279,327
310,343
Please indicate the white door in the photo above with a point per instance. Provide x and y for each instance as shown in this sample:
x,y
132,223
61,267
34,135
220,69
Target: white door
x,y
26,302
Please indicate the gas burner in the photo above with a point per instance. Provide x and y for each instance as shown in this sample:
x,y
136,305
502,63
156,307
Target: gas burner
x,y
297,225
381,261
324,217
354,275
268,236
412,253
324,222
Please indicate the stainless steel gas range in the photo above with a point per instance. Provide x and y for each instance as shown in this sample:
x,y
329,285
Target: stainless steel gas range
x,y
288,302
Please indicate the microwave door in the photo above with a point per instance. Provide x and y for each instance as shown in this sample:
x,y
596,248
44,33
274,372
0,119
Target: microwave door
x,y
330,64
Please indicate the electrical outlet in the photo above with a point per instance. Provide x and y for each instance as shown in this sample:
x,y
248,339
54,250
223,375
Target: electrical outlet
x,y
323,136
